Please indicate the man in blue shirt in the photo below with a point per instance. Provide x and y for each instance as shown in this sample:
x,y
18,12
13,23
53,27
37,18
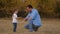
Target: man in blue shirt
x,y
33,18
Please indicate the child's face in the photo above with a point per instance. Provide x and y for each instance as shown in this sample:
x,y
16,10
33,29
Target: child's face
x,y
16,12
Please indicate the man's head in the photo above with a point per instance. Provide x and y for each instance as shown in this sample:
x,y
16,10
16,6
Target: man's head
x,y
29,7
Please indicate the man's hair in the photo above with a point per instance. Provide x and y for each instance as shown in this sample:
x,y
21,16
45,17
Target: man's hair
x,y
30,6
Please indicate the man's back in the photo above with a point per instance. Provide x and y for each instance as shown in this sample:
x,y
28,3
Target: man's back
x,y
36,17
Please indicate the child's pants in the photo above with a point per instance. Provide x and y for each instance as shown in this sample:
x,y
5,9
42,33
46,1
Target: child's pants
x,y
15,26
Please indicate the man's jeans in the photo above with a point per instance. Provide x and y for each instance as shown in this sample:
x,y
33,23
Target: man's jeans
x,y
32,27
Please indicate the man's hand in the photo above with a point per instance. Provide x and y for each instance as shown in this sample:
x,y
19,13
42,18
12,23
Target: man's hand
x,y
24,20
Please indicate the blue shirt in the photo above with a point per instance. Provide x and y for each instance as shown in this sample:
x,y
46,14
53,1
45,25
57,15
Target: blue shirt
x,y
35,17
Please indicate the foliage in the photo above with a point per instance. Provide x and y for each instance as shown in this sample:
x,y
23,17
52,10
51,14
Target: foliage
x,y
46,8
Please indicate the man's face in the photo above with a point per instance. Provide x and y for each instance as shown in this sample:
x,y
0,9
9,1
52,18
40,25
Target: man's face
x,y
29,9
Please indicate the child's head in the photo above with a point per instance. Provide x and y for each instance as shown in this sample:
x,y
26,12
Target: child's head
x,y
15,11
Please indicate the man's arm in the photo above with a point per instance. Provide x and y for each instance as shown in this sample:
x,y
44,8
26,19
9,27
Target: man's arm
x,y
25,19
32,15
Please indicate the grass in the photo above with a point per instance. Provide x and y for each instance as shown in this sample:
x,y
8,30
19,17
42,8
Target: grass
x,y
49,26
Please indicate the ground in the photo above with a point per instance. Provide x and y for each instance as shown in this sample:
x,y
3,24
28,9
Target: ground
x,y
49,26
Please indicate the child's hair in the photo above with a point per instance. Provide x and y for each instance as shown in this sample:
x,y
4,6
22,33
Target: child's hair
x,y
15,10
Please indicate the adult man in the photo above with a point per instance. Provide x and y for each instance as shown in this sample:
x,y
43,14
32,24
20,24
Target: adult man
x,y
33,18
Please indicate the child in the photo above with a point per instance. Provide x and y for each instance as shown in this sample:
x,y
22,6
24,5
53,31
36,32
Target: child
x,y
14,17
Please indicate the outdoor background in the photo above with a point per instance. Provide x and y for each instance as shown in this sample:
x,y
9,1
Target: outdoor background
x,y
49,11
46,8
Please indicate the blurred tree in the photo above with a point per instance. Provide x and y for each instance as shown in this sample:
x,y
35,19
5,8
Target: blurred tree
x,y
47,8
57,9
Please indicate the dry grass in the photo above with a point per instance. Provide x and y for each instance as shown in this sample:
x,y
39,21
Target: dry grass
x,y
49,26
